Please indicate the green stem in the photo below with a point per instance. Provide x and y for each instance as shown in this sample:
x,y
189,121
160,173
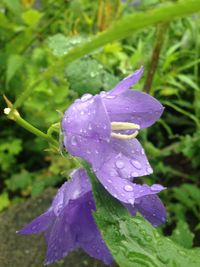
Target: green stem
x,y
13,114
53,128
160,38
26,125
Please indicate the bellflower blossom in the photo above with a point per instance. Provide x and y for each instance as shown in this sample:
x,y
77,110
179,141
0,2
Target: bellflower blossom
x,y
68,223
101,129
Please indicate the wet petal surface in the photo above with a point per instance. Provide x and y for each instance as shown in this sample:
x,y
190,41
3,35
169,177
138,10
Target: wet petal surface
x,y
152,208
39,224
134,106
86,117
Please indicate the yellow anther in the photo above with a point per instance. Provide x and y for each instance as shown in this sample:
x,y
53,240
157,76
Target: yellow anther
x,y
125,136
124,126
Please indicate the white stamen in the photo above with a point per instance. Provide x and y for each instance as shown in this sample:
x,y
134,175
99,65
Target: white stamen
x,y
124,136
124,126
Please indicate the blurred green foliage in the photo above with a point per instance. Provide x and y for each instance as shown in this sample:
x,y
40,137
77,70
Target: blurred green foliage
x,y
34,35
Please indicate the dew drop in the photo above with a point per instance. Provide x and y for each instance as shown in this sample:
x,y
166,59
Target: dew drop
x,y
112,174
136,164
149,170
131,201
156,187
110,96
110,181
86,97
33,227
128,188
134,174
92,74
73,141
90,127
119,164
103,93
142,151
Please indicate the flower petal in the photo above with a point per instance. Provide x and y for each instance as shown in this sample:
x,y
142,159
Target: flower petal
x,y
123,189
90,240
146,190
152,208
87,118
127,82
62,236
128,158
38,225
91,150
72,189
133,106
124,158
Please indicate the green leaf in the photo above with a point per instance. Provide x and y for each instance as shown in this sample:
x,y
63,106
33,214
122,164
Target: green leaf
x,y
31,17
13,65
182,235
187,80
132,240
60,44
19,181
4,201
87,75
13,5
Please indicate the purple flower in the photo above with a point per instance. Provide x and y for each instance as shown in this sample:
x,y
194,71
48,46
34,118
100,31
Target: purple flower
x,y
101,129
68,223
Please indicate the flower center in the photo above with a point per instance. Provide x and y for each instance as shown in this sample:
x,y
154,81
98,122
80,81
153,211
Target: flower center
x,y
116,126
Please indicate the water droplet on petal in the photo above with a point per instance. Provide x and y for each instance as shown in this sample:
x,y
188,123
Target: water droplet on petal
x,y
103,93
110,181
128,188
142,151
156,187
149,170
163,219
119,164
131,201
90,126
73,141
86,97
136,164
110,96
134,174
